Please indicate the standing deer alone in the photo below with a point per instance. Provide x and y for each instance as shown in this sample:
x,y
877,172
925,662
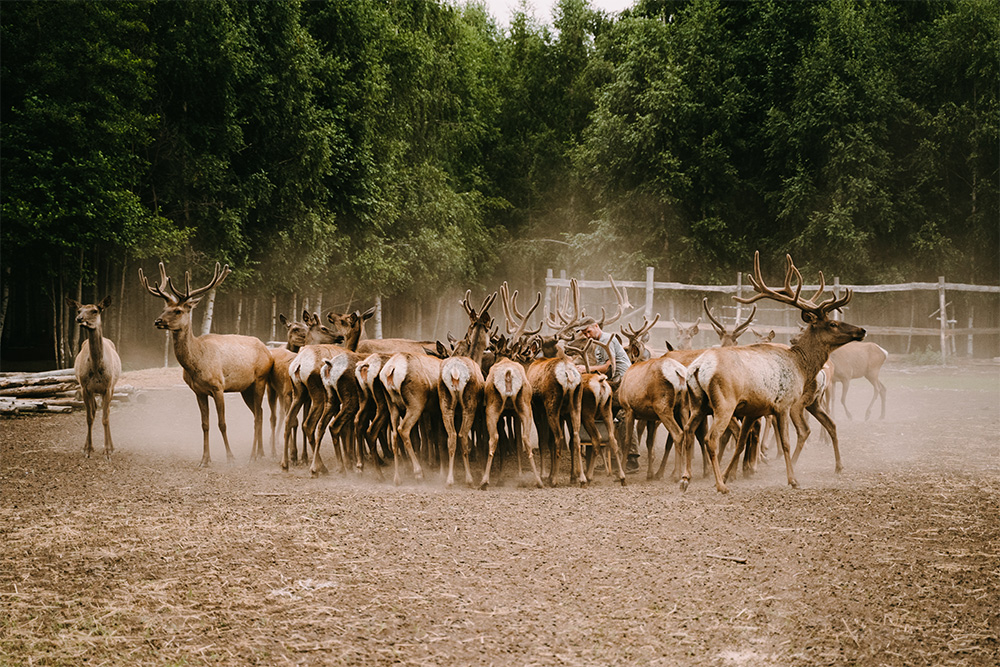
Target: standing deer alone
x,y
97,367
759,380
214,364
685,334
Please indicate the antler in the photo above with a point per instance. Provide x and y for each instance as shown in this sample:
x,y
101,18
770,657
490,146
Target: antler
x,y
516,323
633,334
793,297
621,296
720,329
188,294
158,290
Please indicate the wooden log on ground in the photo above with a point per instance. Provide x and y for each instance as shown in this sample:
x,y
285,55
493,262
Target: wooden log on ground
x,y
19,406
36,392
22,381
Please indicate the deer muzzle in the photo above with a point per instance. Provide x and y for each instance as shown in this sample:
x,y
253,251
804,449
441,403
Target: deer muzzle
x,y
160,324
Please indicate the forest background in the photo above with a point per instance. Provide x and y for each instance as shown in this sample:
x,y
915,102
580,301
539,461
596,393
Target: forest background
x,y
333,152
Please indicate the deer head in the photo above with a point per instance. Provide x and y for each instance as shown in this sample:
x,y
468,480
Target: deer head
x,y
727,338
820,330
88,316
686,334
176,314
636,349
477,337
763,338
346,328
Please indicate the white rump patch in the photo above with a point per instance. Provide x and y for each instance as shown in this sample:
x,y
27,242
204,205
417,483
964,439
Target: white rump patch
x,y
508,383
567,376
333,369
675,373
393,373
373,364
455,375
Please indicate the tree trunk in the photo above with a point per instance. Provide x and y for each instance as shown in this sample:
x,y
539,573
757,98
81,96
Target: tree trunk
x,y
239,314
5,298
206,323
274,315
79,299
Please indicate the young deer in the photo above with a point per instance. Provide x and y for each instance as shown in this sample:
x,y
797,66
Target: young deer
x,y
759,380
97,369
214,364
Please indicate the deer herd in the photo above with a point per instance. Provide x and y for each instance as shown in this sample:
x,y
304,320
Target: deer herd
x,y
421,402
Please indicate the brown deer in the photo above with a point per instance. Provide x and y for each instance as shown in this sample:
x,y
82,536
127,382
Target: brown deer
x,y
727,337
411,386
214,363
685,334
636,348
758,380
763,338
279,386
651,391
508,391
460,387
855,360
307,384
97,368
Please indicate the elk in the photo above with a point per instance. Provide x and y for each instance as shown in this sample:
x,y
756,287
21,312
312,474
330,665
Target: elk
x,y
855,360
214,363
411,386
636,348
307,384
727,337
373,409
461,383
508,391
758,380
279,386
97,368
685,334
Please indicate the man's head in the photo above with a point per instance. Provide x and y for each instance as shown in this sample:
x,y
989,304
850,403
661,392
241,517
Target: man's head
x,y
592,331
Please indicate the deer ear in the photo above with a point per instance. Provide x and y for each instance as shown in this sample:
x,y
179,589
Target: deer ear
x,y
306,317
367,315
670,348
809,317
105,303
281,318
191,303
442,351
355,318
73,303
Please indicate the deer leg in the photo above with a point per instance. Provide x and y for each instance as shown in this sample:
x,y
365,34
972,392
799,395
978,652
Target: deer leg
x,y
782,429
206,459
406,425
741,443
802,431
448,418
826,422
90,403
220,409
723,414
106,419
492,417
674,432
843,399
557,441
272,405
469,409
249,396
883,392
288,455
524,437
609,420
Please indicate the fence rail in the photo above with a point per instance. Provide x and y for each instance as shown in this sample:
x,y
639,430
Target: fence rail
x,y
945,330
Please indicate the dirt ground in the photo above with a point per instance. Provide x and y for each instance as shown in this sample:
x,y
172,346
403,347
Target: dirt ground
x,y
150,560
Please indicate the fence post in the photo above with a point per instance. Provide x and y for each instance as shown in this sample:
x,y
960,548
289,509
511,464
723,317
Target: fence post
x,y
943,318
968,344
836,294
739,293
649,293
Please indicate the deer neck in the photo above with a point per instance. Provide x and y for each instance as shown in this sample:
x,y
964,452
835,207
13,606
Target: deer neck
x,y
95,340
187,347
811,353
292,347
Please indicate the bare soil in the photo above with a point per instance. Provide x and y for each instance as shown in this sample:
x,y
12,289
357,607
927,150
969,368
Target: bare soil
x,y
150,560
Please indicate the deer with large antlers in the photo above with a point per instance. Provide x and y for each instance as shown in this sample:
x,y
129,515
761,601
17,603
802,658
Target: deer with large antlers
x,y
759,380
637,338
214,364
97,367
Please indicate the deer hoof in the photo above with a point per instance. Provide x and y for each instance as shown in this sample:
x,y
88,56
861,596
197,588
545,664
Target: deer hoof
x,y
684,484
484,486
622,480
793,483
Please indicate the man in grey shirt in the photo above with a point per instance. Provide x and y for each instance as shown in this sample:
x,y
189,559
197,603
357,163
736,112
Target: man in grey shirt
x,y
621,364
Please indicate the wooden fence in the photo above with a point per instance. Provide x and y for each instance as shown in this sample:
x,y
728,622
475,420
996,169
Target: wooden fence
x,y
946,329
